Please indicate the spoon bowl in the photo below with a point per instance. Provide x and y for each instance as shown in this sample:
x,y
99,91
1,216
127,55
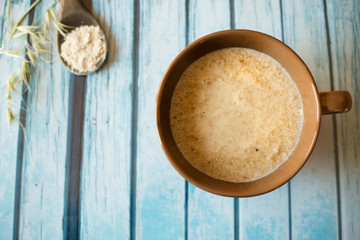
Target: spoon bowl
x,y
74,15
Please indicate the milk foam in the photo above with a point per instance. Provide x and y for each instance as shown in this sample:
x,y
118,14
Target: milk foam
x,y
236,114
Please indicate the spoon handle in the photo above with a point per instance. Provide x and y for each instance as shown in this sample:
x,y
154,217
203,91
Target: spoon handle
x,y
70,6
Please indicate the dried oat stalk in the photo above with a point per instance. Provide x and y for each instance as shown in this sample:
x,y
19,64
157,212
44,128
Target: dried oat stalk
x,y
36,39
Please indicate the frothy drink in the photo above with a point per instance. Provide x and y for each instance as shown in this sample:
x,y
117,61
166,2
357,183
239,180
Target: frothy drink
x,y
236,114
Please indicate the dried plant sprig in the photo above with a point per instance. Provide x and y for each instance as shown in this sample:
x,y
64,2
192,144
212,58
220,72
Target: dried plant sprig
x,y
13,53
32,56
47,21
9,16
25,74
39,44
40,48
36,47
11,85
60,27
44,13
18,23
24,30
12,118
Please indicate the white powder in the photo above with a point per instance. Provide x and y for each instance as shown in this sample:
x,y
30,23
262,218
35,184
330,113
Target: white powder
x,y
83,48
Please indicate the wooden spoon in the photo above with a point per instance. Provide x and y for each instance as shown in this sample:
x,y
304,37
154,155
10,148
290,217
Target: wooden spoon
x,y
73,14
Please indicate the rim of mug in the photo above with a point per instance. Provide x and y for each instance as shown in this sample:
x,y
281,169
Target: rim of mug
x,y
163,140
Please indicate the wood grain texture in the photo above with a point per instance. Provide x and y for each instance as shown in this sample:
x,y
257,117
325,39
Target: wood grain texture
x,y
313,190
42,196
160,190
8,136
77,85
259,15
209,216
163,210
266,216
105,179
344,31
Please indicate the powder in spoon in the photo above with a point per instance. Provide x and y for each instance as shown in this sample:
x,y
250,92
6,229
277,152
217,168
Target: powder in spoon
x,y
83,48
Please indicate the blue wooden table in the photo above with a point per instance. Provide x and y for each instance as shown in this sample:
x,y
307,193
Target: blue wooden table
x,y
91,165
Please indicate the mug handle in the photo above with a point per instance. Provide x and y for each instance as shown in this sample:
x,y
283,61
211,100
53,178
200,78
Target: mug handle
x,y
335,102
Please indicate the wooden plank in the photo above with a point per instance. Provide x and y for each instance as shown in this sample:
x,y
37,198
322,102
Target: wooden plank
x,y
105,179
42,195
71,219
209,216
344,31
8,136
313,190
260,15
160,190
266,216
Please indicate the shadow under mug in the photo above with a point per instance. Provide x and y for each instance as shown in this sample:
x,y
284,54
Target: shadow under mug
x,y
314,105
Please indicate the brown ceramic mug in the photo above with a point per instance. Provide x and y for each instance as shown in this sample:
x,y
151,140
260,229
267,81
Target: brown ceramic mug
x,y
314,105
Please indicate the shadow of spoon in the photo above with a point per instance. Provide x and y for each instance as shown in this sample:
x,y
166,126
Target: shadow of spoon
x,y
74,15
